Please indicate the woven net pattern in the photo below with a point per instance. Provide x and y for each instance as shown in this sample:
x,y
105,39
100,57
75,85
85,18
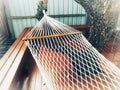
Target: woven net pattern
x,y
67,61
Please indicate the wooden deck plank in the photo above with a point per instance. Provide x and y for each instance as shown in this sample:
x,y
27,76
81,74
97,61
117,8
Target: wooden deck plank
x,y
11,73
10,61
36,80
11,49
10,66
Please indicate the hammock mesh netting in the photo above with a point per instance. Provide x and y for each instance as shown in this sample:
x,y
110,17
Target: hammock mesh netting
x,y
67,61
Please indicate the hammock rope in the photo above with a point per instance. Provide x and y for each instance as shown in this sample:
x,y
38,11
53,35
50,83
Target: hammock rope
x,y
67,61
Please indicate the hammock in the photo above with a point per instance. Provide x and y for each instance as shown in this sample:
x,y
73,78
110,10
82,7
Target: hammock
x,y
67,61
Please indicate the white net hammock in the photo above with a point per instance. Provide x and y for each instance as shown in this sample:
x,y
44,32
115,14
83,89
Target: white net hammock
x,y
67,61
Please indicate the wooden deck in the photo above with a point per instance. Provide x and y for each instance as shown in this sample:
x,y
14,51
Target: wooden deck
x,y
11,62
28,76
19,70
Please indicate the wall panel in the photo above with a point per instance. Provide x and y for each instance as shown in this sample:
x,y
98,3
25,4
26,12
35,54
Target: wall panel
x,y
4,31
